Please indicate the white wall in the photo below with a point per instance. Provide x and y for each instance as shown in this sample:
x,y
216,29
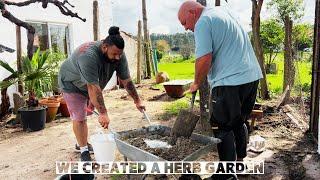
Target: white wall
x,y
80,31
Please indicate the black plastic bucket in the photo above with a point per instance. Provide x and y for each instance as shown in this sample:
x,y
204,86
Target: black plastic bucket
x,y
33,119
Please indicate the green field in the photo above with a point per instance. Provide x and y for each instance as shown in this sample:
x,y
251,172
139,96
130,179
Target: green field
x,y
303,74
178,70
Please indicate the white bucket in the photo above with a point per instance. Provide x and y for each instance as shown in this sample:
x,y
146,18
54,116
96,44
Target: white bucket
x,y
104,147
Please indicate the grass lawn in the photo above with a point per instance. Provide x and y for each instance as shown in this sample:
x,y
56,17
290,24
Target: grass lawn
x,y
303,74
178,70
303,77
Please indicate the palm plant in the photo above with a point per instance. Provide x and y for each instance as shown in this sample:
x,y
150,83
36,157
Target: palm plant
x,y
35,73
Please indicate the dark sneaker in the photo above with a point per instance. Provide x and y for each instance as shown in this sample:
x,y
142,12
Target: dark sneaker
x,y
85,156
77,147
76,177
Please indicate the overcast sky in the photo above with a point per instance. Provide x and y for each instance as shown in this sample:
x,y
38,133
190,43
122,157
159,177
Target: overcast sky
x,y
162,14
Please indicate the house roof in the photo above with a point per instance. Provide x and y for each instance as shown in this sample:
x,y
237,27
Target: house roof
x,y
5,48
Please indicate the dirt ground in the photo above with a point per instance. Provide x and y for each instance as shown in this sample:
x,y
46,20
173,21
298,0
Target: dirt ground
x,y
290,153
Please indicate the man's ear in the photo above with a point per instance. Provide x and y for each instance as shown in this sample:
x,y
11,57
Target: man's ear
x,y
192,11
104,46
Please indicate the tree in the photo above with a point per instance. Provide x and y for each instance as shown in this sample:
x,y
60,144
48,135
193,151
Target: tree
x,y
175,41
302,38
163,46
272,37
185,51
288,11
256,9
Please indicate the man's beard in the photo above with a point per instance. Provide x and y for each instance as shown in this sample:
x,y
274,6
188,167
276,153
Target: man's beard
x,y
108,59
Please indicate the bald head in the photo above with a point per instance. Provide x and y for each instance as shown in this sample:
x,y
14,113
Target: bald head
x,y
189,13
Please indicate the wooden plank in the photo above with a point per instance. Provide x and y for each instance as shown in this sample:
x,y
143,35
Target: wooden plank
x,y
288,109
256,114
295,121
283,97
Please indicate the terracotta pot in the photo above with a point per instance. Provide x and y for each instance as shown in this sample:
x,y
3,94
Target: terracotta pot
x,y
52,110
64,108
57,98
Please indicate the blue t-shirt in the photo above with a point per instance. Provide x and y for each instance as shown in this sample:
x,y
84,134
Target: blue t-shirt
x,y
234,62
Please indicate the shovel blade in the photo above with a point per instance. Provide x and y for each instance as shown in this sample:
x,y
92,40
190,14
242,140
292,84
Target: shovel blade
x,y
184,124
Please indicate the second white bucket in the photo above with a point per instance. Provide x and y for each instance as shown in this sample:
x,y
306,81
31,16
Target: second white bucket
x,y
104,147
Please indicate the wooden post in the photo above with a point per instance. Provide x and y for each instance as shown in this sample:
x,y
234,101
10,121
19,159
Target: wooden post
x,y
204,92
217,2
146,39
95,20
139,54
150,55
19,59
315,86
257,46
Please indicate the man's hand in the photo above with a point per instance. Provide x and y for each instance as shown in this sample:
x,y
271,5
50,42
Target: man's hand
x,y
140,106
90,108
104,120
194,87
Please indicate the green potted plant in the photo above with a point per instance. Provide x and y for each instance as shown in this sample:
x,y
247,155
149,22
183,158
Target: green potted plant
x,y
55,59
34,72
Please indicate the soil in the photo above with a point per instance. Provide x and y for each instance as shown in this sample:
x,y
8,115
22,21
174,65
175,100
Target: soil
x,y
290,152
177,152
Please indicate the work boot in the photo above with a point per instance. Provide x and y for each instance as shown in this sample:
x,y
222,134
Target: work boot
x,y
85,156
77,147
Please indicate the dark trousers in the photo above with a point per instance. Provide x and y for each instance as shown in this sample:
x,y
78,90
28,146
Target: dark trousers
x,y
231,107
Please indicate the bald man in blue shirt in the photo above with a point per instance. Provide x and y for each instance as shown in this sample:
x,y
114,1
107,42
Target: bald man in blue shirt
x,y
225,55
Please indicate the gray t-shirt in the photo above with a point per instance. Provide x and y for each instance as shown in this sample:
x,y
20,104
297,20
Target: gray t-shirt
x,y
88,65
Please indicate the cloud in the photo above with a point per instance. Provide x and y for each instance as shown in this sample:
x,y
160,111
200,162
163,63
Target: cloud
x,y
161,29
162,14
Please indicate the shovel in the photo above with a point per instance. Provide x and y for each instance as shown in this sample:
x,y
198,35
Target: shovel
x,y
185,122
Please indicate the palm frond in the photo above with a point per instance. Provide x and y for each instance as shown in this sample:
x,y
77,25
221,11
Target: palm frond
x,y
35,59
6,84
43,58
36,75
6,66
26,65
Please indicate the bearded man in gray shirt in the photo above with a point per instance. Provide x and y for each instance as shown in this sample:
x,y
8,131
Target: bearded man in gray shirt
x,y
84,75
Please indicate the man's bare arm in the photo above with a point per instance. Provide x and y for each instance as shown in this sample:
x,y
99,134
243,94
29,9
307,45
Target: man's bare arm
x,y
202,67
131,89
96,97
